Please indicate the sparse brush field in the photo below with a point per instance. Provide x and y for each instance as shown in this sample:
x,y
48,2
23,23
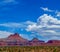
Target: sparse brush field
x,y
30,49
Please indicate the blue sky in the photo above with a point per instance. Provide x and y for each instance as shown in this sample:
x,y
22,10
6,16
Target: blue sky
x,y
30,18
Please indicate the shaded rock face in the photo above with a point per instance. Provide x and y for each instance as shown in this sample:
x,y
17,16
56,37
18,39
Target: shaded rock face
x,y
54,41
36,42
17,40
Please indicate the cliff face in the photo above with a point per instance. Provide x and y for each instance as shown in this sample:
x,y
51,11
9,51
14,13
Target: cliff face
x,y
12,40
53,42
16,37
16,40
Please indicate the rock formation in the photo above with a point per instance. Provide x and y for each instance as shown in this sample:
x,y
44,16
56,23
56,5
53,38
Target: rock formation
x,y
17,40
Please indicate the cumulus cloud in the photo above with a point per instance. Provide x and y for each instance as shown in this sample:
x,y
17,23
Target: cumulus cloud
x,y
47,19
46,9
46,25
57,13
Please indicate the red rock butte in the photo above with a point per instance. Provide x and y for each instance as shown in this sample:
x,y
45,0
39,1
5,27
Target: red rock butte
x,y
17,40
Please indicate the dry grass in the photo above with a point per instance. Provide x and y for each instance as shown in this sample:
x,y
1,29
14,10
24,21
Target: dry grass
x,y
30,49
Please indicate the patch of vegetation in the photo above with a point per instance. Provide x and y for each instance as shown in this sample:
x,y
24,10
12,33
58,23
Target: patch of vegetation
x,y
30,49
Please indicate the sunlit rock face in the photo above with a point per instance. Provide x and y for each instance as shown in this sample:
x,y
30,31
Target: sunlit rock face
x,y
13,39
16,37
17,40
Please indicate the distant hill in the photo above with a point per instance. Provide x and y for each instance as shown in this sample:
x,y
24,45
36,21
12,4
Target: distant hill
x,y
17,40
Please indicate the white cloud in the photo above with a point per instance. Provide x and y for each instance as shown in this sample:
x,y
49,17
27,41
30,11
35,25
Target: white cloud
x,y
5,2
10,24
55,38
57,13
46,25
49,10
33,27
17,25
47,19
30,22
49,31
46,9
54,26
4,34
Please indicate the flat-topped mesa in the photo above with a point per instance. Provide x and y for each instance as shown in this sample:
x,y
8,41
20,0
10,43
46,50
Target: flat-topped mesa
x,y
54,41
